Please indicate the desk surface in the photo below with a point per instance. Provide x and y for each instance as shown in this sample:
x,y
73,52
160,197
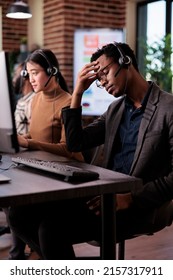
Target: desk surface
x,y
28,187
34,186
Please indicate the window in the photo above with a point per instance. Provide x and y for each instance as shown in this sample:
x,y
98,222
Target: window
x,y
152,26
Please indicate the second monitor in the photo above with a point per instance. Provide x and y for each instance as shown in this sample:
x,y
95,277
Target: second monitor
x,y
8,136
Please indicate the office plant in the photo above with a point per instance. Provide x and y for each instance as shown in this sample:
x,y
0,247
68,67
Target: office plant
x,y
158,62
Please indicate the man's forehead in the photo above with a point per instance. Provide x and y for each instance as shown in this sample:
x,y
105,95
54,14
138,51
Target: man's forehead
x,y
103,61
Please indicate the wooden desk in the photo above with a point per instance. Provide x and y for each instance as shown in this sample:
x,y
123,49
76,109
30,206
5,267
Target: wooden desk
x,y
28,187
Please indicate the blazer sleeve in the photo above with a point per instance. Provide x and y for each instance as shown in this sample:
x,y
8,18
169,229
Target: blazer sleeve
x,y
79,138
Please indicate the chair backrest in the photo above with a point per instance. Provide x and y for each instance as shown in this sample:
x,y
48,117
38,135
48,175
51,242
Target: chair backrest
x,y
94,156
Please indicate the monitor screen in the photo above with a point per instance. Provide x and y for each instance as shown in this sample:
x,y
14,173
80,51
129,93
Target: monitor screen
x,y
8,136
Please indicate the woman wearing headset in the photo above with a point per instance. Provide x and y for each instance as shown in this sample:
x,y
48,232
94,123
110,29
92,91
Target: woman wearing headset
x,y
46,129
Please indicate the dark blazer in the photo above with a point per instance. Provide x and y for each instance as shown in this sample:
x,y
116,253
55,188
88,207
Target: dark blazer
x,y
153,159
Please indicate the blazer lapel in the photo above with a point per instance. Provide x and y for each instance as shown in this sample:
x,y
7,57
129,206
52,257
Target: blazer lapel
x,y
147,117
113,121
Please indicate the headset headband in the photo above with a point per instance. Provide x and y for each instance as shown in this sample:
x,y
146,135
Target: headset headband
x,y
124,59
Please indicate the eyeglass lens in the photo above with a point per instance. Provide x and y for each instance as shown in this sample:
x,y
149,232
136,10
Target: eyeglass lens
x,y
102,76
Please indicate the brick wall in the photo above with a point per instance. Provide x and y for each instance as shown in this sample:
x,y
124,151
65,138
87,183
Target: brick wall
x,y
61,18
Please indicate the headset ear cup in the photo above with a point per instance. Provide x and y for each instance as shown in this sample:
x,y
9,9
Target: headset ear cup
x,y
52,71
24,73
55,70
124,61
49,71
127,60
121,61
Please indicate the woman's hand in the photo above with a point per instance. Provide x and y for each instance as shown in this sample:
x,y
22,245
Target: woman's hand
x,y
85,78
23,142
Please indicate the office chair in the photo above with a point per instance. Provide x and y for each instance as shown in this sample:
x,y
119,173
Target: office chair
x,y
165,222
120,246
94,157
167,209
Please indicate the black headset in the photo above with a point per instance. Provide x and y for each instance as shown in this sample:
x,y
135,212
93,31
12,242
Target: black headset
x,y
51,70
24,73
124,59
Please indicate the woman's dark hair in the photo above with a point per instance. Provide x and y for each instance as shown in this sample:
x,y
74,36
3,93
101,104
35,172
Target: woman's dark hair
x,y
111,50
48,61
18,79
17,86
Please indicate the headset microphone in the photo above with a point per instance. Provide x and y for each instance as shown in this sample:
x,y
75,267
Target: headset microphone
x,y
124,62
48,80
118,71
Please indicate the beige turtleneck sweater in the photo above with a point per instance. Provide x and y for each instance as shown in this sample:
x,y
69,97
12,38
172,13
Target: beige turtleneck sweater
x,y
46,129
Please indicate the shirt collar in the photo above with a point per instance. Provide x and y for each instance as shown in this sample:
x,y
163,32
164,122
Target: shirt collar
x,y
129,102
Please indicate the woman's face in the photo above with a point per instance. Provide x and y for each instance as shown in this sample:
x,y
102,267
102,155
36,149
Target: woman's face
x,y
38,77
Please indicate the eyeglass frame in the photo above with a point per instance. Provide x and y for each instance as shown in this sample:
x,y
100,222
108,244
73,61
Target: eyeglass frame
x,y
104,74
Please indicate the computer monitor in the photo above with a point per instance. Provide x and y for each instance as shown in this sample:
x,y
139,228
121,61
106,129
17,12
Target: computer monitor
x,y
8,135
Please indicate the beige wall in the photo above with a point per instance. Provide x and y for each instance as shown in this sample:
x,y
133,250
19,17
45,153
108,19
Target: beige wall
x,y
35,24
131,24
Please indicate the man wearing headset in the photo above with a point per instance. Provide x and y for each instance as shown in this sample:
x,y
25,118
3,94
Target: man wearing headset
x,y
137,133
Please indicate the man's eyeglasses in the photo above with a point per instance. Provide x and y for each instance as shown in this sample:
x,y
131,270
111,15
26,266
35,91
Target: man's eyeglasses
x,y
101,75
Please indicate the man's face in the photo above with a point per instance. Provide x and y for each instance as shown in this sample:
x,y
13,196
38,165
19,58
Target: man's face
x,y
111,76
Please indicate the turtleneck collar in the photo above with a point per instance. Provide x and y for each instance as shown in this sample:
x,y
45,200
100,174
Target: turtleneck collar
x,y
53,94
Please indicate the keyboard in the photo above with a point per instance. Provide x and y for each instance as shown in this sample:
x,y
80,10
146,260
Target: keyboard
x,y
68,172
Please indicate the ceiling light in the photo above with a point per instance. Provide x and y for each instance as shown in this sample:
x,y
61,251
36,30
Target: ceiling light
x,y
19,10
